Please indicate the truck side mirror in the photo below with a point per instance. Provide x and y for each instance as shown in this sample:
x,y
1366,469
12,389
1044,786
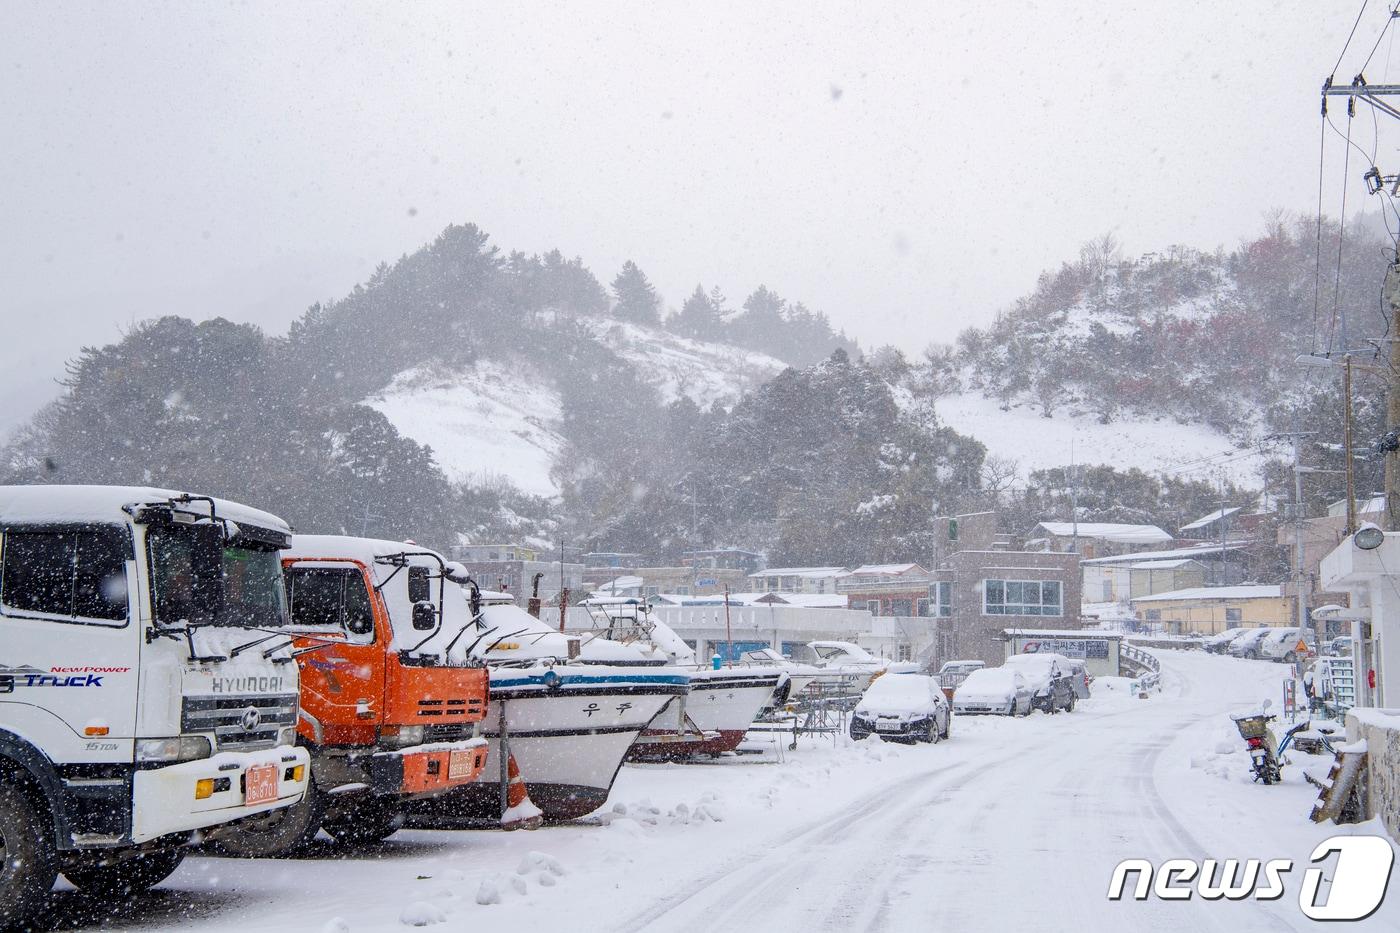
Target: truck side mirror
x,y
206,571
419,585
424,616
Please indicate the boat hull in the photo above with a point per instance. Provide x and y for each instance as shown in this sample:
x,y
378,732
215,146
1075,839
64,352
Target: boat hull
x,y
569,730
722,704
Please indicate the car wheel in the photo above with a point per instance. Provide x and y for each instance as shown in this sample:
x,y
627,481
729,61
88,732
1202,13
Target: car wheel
x,y
1290,657
1069,707
947,726
931,734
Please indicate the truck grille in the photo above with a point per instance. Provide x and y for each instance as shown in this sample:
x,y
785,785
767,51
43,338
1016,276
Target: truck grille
x,y
452,733
451,707
229,718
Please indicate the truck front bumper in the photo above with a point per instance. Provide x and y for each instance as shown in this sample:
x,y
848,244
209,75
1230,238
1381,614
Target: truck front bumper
x,y
172,799
427,769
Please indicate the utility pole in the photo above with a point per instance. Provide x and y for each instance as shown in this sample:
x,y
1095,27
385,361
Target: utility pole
x,y
1299,576
1346,444
1378,97
1391,291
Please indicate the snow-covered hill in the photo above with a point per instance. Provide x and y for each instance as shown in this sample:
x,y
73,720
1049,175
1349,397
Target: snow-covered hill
x,y
488,423
1161,445
499,419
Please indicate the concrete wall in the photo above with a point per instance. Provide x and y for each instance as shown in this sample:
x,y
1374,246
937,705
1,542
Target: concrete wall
x,y
1381,730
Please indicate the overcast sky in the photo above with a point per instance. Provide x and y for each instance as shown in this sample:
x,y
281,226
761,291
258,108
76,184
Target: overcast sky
x,y
908,169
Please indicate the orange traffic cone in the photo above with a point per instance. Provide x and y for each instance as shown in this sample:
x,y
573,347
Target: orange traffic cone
x,y
521,812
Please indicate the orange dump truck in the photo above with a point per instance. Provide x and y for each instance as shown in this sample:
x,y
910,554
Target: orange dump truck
x,y
390,702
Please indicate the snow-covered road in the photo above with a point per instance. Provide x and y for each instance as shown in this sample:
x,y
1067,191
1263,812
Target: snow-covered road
x,y
1014,824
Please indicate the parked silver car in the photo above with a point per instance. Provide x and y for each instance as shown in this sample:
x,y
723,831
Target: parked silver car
x,y
998,691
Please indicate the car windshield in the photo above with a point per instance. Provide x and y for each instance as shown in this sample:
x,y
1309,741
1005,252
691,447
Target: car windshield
x,y
253,593
898,687
990,679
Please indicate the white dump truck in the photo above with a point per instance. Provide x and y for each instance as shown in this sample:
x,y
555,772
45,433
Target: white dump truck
x,y
146,690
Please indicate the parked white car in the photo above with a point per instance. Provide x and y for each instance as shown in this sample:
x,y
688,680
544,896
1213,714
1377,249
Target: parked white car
x,y
1220,643
902,707
999,691
1247,644
1049,679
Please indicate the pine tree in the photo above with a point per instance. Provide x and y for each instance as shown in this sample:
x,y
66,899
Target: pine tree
x,y
636,299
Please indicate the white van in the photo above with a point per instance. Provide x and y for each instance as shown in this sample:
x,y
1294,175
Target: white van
x,y
1281,644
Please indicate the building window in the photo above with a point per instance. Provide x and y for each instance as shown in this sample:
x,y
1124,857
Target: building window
x,y
901,607
942,594
1234,615
921,608
1154,615
874,607
1022,598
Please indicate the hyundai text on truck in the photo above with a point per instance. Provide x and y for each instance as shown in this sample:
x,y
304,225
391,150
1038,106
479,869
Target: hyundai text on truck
x,y
389,706
132,711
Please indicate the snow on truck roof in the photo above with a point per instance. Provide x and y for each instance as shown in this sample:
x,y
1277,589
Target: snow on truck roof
x,y
343,546
53,503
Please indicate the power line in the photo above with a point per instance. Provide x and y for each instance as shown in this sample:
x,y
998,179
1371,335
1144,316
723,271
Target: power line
x,y
1351,35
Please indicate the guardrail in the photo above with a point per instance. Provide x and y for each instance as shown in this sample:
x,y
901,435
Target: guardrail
x,y
1146,661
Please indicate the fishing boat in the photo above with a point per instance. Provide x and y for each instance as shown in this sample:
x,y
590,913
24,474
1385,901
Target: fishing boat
x,y
722,702
569,710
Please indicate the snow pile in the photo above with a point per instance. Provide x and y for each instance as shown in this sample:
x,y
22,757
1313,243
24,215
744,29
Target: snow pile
x,y
421,914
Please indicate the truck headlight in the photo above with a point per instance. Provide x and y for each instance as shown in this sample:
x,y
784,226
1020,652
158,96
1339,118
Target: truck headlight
x,y
287,735
401,736
173,750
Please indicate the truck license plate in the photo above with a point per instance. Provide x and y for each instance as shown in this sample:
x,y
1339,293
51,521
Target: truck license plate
x,y
260,785
459,763
885,726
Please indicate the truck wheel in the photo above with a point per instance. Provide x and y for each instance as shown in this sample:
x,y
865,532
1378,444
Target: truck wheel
x,y
367,823
276,832
130,876
28,866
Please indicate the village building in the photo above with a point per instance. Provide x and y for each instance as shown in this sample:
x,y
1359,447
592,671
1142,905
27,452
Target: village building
x,y
511,568
984,582
1213,609
1095,539
796,579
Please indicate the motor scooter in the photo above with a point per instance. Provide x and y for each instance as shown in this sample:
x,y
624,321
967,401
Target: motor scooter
x,y
1264,753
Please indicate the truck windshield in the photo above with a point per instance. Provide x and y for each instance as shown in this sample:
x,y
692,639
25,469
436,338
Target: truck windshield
x,y
185,583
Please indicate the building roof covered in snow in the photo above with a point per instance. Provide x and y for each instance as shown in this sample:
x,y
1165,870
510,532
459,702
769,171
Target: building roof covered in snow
x,y
813,573
1198,552
885,570
1202,593
1107,531
1208,519
1162,564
